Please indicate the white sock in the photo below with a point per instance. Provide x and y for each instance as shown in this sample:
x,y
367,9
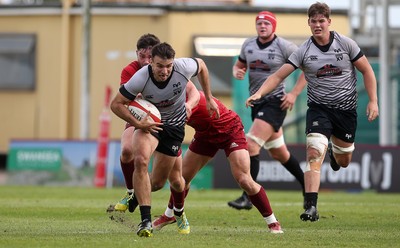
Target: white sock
x,y
270,219
169,212
130,191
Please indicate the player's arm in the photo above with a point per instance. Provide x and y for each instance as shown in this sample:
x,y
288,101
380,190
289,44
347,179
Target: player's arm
x,y
118,107
204,80
239,70
271,83
192,98
289,99
370,85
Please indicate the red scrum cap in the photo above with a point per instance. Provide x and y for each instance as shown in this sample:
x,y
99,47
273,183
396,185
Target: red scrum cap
x,y
268,16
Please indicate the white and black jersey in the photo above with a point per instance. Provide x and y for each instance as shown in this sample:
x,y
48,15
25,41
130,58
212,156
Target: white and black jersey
x,y
169,96
263,60
329,71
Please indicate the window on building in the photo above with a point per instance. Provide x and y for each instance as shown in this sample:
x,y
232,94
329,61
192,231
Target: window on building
x,y
17,61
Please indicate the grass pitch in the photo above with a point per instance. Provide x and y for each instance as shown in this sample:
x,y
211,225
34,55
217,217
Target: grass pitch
x,y
76,217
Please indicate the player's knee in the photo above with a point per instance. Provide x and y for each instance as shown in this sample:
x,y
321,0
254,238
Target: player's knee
x,y
316,147
313,166
178,186
156,187
126,155
344,154
141,162
313,155
343,160
157,184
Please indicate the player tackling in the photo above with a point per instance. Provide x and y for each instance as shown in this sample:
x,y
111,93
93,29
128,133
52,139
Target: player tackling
x,y
163,83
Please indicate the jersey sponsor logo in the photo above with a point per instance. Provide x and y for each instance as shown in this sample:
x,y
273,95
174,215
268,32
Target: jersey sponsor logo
x,y
329,70
165,103
313,57
259,65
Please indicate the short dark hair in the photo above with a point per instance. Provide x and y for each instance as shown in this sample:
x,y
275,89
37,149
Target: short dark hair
x,y
319,9
147,41
163,50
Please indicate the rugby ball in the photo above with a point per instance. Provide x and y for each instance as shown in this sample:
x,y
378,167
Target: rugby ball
x,y
139,108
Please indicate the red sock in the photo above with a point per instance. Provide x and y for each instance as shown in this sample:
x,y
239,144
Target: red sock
x,y
178,198
261,202
171,199
127,170
186,192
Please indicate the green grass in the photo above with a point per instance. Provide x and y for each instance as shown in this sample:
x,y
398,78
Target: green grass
x,y
76,217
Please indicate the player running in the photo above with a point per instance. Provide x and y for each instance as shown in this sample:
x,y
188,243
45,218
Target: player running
x,y
329,61
163,83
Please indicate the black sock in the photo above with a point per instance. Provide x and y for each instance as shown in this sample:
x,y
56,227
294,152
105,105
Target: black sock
x,y
178,213
311,199
134,200
293,166
254,168
145,212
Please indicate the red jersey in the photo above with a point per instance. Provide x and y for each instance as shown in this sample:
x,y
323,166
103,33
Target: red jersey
x,y
214,130
129,71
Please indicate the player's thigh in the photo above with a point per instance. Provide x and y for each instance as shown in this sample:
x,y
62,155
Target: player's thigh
x,y
162,166
145,145
127,141
261,129
193,163
275,135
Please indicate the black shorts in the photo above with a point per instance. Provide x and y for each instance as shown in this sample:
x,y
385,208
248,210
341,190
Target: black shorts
x,y
340,123
270,111
170,140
